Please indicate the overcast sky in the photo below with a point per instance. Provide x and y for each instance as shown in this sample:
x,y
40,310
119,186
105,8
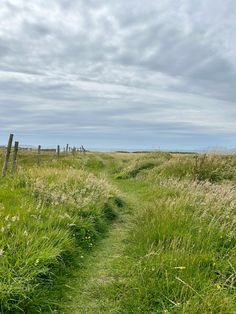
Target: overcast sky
x,y
125,73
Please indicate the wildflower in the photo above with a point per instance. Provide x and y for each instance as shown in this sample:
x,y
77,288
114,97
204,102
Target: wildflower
x,y
2,229
218,286
25,233
1,252
14,218
7,217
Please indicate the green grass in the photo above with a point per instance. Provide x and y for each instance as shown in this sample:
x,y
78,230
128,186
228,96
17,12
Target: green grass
x,y
172,248
201,167
178,259
50,215
182,245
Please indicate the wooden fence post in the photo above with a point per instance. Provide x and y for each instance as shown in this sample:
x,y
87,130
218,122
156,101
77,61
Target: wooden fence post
x,y
7,156
58,151
39,153
67,148
14,160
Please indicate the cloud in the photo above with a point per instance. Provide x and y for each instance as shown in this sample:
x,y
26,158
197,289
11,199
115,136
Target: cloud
x,y
122,71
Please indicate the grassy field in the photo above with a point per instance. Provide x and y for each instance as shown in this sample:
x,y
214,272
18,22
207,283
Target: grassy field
x,y
119,233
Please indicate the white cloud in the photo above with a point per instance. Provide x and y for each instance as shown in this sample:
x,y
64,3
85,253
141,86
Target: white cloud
x,y
127,64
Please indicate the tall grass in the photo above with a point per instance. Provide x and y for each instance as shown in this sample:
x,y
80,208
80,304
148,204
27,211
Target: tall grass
x,y
47,214
180,253
201,167
182,246
144,162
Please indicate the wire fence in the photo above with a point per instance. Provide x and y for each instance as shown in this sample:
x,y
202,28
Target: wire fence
x,y
11,154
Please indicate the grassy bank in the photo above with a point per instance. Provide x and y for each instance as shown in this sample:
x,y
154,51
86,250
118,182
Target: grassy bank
x,y
182,246
49,215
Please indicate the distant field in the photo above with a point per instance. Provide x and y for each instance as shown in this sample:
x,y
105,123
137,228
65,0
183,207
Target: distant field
x,y
165,223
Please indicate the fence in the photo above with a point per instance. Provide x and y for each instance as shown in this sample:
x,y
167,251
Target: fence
x,y
11,153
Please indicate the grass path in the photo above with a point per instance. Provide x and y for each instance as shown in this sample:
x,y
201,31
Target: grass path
x,y
93,286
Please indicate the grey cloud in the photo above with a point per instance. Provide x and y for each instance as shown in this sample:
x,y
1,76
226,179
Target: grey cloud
x,y
36,29
119,64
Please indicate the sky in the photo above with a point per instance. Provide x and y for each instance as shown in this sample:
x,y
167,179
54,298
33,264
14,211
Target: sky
x,y
127,74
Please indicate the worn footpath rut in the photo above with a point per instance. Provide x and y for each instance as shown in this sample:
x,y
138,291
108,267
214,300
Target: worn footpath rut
x,y
90,294
97,286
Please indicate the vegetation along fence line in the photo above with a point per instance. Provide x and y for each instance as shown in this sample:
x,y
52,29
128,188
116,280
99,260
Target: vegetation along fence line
x,y
38,151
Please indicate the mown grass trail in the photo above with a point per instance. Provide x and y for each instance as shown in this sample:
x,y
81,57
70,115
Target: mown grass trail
x,y
96,288
93,287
